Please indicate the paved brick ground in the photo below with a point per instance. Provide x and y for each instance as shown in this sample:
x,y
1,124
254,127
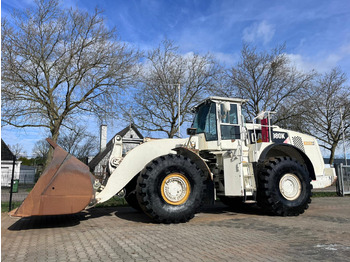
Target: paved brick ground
x,y
216,234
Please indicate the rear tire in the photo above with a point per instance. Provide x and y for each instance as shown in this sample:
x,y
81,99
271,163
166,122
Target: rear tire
x,y
170,189
284,187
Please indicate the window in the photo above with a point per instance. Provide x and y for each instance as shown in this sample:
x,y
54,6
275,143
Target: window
x,y
229,117
229,122
230,132
205,121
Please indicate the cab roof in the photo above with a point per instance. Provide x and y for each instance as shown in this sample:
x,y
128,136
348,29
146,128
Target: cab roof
x,y
222,99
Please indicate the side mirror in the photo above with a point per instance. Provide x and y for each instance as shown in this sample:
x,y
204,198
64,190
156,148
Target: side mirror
x,y
226,107
260,115
191,131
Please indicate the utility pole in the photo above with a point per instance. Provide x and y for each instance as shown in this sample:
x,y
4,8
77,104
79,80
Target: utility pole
x,y
179,105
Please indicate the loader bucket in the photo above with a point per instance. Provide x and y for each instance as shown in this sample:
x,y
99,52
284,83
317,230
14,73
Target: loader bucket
x,y
65,187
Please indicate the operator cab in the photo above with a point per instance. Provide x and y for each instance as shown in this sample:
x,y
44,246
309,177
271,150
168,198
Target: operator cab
x,y
219,119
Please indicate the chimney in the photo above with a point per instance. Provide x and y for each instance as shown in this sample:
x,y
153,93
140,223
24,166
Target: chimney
x,y
103,137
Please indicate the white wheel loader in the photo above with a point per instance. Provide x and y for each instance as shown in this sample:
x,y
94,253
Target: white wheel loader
x,y
169,179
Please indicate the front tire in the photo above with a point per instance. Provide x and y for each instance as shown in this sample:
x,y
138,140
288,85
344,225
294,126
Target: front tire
x,y
131,194
284,187
170,189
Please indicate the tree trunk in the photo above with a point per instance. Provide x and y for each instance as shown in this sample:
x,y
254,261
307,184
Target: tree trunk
x,y
55,131
331,158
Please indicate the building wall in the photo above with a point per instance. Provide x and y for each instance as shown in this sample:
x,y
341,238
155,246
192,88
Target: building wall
x,y
6,171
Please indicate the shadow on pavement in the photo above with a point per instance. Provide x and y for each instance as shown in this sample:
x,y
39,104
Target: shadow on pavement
x,y
37,222
131,214
220,208
124,213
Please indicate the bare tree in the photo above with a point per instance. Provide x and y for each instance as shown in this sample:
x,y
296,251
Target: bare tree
x,y
41,149
59,64
165,71
327,107
266,79
78,142
17,150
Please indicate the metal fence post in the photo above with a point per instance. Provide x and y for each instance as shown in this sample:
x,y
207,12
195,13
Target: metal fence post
x,y
12,178
342,178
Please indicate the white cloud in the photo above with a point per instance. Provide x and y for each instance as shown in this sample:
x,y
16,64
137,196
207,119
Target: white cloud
x,y
259,32
300,62
226,58
322,62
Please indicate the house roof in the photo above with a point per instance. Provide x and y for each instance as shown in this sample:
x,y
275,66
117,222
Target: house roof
x,y
126,130
6,153
97,159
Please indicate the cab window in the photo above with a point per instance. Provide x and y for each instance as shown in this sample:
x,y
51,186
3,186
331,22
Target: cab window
x,y
205,121
229,117
229,122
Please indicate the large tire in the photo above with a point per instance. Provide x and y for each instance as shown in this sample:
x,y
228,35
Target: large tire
x,y
131,195
284,187
170,189
131,198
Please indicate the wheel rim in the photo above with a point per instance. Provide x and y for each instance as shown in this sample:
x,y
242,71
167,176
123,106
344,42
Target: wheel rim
x,y
290,186
175,189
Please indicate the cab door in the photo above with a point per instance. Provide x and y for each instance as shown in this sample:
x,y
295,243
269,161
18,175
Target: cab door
x,y
229,130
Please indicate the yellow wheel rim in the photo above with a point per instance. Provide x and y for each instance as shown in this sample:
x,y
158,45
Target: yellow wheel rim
x,y
175,189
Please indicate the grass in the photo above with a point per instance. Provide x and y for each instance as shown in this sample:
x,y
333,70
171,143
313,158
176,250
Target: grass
x,y
5,206
324,194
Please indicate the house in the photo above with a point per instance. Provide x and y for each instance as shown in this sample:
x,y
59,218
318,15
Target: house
x,y
7,158
132,138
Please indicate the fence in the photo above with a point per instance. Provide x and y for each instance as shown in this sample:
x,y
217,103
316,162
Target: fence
x,y
343,182
27,177
23,191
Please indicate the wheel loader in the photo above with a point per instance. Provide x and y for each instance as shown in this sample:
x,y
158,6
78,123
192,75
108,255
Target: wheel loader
x,y
169,179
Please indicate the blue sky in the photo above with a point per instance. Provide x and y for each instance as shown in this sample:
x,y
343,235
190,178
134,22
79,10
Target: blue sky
x,y
316,33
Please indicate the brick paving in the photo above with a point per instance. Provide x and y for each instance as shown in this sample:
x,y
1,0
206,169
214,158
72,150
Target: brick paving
x,y
322,233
